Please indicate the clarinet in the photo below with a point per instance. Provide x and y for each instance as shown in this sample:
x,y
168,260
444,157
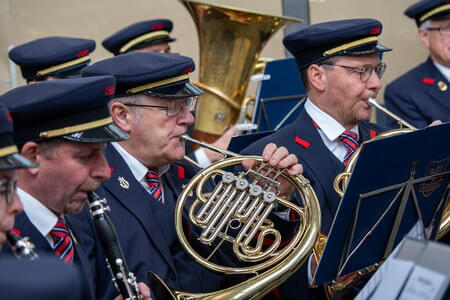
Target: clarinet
x,y
123,279
21,246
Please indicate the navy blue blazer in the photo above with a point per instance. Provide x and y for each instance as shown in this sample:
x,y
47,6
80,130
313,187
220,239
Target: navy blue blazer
x,y
146,230
42,279
419,96
43,248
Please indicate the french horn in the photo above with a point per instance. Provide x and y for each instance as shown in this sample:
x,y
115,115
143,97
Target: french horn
x,y
238,211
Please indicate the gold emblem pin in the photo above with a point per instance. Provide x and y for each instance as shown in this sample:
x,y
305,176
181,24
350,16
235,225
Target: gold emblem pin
x,y
442,86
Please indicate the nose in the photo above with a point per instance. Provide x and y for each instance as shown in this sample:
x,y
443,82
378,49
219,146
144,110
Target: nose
x,y
101,168
16,206
374,82
185,116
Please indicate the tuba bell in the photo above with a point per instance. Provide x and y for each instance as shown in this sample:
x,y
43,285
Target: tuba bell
x,y
230,42
237,212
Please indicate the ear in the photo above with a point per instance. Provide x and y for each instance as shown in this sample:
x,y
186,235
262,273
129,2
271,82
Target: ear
x,y
317,77
122,116
424,37
32,151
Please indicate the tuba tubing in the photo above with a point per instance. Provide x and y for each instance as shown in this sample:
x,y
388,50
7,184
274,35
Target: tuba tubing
x,y
267,277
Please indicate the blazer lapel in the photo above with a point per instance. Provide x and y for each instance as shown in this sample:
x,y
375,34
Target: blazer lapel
x,y
134,198
434,91
318,158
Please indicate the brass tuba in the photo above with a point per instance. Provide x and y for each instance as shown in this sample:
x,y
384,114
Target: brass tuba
x,y
236,212
230,42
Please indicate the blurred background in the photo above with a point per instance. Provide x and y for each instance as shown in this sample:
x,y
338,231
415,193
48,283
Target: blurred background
x,y
25,20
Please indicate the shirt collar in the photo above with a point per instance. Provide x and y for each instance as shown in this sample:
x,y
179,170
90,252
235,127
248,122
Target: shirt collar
x,y
331,128
444,70
40,216
137,168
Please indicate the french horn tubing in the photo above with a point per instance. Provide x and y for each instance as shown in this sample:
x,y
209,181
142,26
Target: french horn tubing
x,y
237,211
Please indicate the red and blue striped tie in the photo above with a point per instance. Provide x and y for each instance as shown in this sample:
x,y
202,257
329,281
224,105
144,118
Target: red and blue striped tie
x,y
350,140
154,184
62,242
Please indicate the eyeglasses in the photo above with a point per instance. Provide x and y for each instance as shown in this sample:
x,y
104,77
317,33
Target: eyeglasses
x,y
444,31
8,189
174,107
365,72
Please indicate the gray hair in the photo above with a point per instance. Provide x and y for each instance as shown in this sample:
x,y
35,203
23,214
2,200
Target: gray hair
x,y
424,26
132,99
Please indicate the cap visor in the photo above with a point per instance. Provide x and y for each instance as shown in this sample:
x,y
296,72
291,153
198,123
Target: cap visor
x,y
103,134
15,161
357,52
175,91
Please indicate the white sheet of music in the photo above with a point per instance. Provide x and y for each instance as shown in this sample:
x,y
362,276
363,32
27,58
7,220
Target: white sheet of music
x,y
423,284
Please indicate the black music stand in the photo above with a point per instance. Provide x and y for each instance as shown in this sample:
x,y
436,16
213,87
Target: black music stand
x,y
397,182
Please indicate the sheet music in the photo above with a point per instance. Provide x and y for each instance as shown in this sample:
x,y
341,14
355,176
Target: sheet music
x,y
423,284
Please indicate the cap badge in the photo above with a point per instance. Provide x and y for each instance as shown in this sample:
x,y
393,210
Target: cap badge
x,y
109,90
82,53
157,26
375,30
442,86
123,183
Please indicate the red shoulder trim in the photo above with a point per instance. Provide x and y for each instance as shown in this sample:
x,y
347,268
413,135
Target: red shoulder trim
x,y
111,170
302,142
429,81
16,231
373,133
180,172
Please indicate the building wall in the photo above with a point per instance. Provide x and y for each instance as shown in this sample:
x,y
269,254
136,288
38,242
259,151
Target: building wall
x,y
24,20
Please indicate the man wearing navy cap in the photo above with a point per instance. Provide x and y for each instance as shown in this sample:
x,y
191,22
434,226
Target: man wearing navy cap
x,y
422,94
154,99
52,57
145,36
25,279
62,126
340,69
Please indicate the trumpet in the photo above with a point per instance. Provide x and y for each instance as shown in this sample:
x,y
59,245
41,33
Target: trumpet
x,y
341,181
21,246
123,279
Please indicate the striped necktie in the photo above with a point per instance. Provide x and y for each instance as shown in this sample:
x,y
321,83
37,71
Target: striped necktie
x,y
154,184
62,242
350,140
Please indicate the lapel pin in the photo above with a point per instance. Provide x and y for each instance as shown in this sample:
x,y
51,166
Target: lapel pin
x,y
123,182
442,86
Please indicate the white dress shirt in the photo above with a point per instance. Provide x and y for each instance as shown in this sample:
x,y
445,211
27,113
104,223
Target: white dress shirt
x,y
138,169
444,70
329,129
40,216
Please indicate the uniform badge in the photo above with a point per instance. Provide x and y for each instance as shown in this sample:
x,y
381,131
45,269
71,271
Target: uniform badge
x,y
123,182
442,86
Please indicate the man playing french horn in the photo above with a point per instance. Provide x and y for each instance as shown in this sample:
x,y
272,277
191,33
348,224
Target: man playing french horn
x,y
341,69
153,103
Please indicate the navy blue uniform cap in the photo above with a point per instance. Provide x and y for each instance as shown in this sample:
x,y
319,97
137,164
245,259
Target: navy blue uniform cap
x,y
9,156
57,56
322,41
138,35
157,74
429,10
74,109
